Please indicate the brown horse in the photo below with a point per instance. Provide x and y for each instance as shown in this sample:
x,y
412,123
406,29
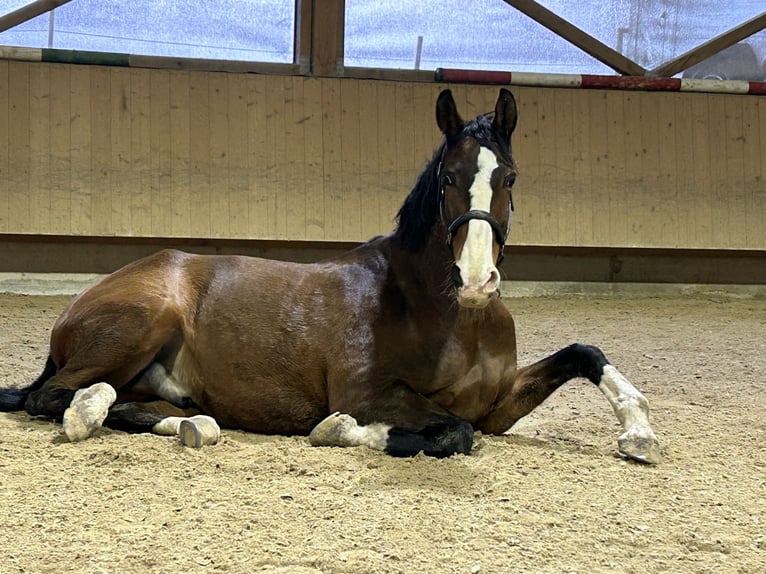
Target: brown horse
x,y
404,339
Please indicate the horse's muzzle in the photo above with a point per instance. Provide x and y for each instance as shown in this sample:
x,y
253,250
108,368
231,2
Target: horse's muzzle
x,y
478,295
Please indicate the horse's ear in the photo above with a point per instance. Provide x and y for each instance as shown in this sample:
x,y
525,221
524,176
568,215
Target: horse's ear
x,y
447,118
506,115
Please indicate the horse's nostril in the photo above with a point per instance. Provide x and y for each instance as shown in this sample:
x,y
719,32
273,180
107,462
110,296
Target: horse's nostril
x,y
457,280
493,282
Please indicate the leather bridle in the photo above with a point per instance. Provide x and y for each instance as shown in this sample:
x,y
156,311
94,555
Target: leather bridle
x,y
501,235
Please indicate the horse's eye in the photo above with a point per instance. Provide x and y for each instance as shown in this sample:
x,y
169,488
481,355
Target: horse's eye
x,y
447,179
509,180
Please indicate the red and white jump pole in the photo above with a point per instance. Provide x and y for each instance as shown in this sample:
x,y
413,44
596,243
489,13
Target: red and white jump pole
x,y
590,81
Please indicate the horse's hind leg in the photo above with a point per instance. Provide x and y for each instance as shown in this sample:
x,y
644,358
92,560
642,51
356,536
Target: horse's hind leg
x,y
138,417
86,356
161,417
533,384
55,394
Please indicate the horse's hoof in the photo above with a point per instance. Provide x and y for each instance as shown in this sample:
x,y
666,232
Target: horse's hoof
x,y
198,431
169,426
641,446
87,411
333,431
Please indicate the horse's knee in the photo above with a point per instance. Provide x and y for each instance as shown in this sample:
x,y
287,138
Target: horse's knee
x,y
48,401
587,361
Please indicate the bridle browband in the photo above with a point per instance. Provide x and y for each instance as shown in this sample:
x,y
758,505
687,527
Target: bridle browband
x,y
501,235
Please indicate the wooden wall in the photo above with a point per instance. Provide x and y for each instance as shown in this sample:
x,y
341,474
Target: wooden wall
x,y
87,150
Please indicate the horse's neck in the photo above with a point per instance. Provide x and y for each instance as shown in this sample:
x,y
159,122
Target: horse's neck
x,y
424,275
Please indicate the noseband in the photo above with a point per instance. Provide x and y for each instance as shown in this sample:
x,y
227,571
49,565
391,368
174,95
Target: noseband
x,y
500,234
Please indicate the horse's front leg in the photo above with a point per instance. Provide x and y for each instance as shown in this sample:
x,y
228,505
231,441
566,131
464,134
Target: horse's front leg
x,y
395,419
533,384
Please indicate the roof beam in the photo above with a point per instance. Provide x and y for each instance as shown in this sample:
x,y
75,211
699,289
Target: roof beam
x,y
28,12
710,48
578,37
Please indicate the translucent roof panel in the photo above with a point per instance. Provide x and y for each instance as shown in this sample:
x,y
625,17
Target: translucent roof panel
x,y
9,6
482,34
492,35
651,32
254,30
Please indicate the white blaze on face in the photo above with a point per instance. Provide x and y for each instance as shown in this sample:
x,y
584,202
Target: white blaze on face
x,y
476,261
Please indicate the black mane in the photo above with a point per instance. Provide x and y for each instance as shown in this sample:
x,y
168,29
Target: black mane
x,y
420,211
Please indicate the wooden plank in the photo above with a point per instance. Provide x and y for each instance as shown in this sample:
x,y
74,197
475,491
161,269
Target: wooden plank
x,y
370,177
390,194
684,169
238,183
548,232
615,133
207,65
526,151
112,156
564,158
4,147
296,185
754,132
760,189
314,154
351,229
328,38
578,37
736,199
19,148
630,203
275,126
199,141
650,201
719,177
392,75
475,102
331,148
40,149
61,199
180,172
219,151
582,162
600,158
89,105
665,195
100,141
159,121
702,206
258,200
709,48
135,191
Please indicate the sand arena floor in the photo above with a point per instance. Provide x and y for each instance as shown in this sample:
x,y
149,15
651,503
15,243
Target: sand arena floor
x,y
552,496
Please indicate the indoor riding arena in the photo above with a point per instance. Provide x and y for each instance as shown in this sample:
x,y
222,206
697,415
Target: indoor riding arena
x,y
639,226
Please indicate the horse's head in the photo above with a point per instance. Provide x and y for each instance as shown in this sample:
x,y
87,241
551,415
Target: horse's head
x,y
476,173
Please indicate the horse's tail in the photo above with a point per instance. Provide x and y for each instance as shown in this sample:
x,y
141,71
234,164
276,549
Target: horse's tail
x,y
13,399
